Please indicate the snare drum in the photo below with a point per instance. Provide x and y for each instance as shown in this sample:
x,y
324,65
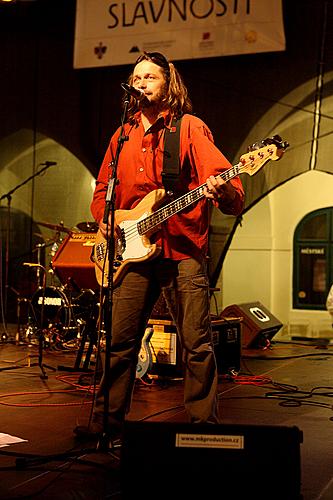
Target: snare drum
x,y
56,312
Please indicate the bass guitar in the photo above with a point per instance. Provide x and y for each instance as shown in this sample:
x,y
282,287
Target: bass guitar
x,y
137,225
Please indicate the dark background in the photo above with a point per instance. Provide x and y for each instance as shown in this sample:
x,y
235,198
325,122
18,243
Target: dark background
x,y
80,108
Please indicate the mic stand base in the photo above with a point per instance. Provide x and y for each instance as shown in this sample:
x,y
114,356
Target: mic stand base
x,y
40,357
44,375
105,443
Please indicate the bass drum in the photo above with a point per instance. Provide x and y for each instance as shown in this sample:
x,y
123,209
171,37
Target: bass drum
x,y
51,308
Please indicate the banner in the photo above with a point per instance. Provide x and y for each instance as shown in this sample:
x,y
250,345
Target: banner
x,y
109,33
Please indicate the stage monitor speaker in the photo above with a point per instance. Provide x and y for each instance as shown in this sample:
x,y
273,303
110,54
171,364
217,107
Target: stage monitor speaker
x,y
258,323
164,460
72,263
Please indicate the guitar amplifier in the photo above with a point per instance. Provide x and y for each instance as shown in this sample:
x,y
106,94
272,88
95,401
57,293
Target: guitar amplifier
x,y
72,263
227,345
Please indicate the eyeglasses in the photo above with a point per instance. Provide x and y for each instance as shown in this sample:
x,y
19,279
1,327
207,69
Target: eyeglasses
x,y
156,58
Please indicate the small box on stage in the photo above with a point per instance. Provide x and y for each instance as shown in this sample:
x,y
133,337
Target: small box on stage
x,y
227,344
205,461
258,323
165,349
72,263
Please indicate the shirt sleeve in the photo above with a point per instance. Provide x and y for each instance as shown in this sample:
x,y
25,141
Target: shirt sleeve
x,y
209,160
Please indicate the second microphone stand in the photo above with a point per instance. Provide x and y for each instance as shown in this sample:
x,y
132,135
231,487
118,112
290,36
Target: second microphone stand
x,y
8,196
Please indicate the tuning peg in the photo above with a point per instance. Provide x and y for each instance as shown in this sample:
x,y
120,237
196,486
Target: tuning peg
x,y
253,147
276,140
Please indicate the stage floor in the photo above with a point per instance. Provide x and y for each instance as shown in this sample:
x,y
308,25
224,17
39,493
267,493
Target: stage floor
x,y
290,385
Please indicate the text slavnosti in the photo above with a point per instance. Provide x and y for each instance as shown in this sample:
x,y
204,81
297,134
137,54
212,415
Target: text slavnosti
x,y
126,14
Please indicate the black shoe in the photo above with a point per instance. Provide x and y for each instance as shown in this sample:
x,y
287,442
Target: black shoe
x,y
95,431
92,431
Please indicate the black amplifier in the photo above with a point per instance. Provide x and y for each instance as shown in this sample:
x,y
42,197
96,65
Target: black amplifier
x,y
227,345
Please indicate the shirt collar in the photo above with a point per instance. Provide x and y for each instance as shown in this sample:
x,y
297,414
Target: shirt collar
x,y
164,119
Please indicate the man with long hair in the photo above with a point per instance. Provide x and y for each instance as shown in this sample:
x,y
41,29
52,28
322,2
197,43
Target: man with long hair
x,y
180,243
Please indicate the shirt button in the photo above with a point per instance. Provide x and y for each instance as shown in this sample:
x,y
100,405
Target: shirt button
x,y
141,169
143,150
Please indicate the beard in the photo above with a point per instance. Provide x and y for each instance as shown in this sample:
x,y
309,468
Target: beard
x,y
158,101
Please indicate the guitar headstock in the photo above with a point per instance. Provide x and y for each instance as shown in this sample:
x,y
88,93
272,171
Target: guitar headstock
x,y
260,153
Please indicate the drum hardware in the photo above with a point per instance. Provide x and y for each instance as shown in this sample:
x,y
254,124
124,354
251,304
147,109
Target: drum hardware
x,y
88,227
87,311
70,312
54,248
57,240
40,331
56,227
28,333
32,333
38,265
58,323
63,320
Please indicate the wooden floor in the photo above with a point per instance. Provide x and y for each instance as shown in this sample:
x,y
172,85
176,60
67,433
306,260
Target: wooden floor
x,y
288,385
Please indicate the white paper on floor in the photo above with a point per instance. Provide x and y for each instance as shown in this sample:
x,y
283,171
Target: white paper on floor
x,y
7,439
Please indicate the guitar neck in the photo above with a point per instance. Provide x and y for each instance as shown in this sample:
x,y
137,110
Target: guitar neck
x,y
175,206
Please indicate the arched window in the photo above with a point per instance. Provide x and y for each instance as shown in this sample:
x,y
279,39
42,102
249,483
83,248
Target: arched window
x,y
313,253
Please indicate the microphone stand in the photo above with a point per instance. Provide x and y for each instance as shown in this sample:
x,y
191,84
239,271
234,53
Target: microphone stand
x,y
8,196
109,220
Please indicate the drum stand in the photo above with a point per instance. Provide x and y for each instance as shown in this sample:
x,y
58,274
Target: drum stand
x,y
43,376
40,281
89,330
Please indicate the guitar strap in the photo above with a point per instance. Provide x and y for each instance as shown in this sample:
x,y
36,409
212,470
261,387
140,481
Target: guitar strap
x,y
171,163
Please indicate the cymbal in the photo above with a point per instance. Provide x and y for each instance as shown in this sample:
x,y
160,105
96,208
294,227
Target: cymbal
x,y
88,227
55,227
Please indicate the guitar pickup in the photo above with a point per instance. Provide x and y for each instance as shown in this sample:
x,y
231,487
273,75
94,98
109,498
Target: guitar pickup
x,y
99,251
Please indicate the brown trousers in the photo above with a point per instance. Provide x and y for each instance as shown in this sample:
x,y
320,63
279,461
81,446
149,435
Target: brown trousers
x,y
186,290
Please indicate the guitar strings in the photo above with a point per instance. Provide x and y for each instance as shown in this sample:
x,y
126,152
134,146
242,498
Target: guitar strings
x,y
132,231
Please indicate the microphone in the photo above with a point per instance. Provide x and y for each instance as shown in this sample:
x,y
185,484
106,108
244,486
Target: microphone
x,y
136,93
49,163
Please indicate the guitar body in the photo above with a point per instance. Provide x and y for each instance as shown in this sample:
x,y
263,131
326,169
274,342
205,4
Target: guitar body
x,y
130,246
145,358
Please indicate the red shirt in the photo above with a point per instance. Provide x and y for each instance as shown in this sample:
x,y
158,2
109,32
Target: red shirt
x,y
184,234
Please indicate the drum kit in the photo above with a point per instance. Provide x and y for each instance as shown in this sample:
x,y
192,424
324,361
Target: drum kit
x,y
63,308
